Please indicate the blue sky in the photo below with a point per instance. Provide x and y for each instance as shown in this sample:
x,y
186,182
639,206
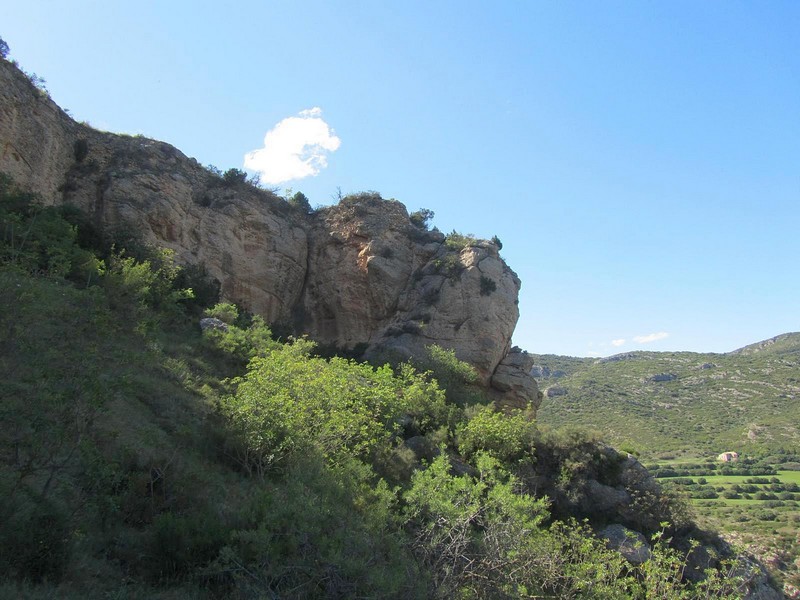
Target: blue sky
x,y
640,161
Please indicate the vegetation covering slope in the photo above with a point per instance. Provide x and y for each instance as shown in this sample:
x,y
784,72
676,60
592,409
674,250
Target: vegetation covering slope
x,y
143,458
679,411
701,404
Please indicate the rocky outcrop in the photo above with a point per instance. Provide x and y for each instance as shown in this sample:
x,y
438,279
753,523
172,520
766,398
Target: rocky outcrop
x,y
632,545
661,377
514,380
556,390
356,274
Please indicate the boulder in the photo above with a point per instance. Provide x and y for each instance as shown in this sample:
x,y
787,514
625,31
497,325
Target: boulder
x,y
513,379
661,377
632,545
213,323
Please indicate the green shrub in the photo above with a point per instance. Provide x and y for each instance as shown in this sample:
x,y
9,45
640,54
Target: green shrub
x,y
300,202
321,532
506,437
179,545
421,218
458,241
241,343
224,311
448,265
291,403
455,376
234,177
144,290
39,240
35,537
465,528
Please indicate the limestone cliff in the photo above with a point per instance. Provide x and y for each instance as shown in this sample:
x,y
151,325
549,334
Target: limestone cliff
x,y
356,273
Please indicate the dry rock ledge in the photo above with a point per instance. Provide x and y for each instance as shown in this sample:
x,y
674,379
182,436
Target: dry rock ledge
x,y
358,273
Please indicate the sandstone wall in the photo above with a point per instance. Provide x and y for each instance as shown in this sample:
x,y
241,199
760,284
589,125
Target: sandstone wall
x,y
356,273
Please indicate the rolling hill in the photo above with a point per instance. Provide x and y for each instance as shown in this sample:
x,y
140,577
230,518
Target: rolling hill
x,y
747,400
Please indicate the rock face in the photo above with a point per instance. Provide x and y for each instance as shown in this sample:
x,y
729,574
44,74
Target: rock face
x,y
359,273
556,390
513,378
631,544
661,377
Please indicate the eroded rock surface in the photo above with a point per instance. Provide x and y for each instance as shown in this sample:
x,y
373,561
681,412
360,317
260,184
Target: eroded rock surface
x,y
359,273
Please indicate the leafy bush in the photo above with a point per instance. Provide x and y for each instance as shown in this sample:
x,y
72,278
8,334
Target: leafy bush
x,y
506,437
35,537
241,343
455,376
321,532
300,202
224,311
291,403
465,528
458,241
421,218
38,240
448,265
145,290
234,176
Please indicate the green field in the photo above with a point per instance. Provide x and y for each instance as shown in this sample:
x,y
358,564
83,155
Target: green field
x,y
762,512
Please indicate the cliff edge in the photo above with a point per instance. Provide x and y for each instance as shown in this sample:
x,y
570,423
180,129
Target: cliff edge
x,y
357,273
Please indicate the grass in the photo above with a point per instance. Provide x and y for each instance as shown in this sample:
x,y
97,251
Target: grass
x,y
767,526
790,476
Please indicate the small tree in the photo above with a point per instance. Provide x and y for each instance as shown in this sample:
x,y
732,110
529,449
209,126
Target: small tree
x,y
300,202
4,49
234,176
421,218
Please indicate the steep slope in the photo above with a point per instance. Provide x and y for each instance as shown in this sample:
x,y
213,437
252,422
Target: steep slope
x,y
357,274
666,401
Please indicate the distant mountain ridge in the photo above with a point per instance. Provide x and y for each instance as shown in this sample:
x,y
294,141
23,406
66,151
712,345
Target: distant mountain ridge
x,y
786,342
702,403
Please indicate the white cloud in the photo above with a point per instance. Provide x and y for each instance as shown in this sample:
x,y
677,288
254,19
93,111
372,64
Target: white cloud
x,y
651,337
295,148
617,343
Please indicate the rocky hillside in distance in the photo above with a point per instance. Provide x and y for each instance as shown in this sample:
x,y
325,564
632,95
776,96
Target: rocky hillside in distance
x,y
357,274
656,402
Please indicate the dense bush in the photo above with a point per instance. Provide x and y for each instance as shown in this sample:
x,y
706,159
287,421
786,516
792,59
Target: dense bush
x,y
291,403
506,437
234,176
458,241
455,376
300,202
